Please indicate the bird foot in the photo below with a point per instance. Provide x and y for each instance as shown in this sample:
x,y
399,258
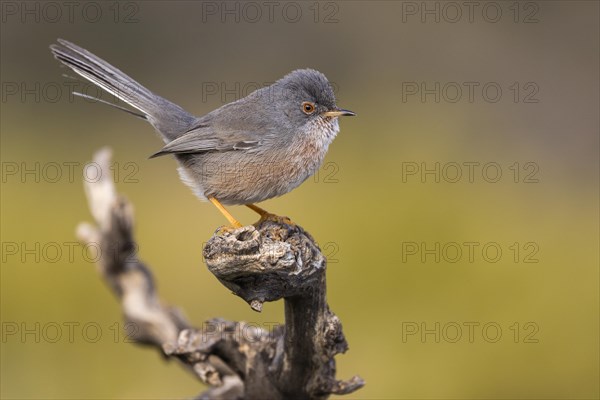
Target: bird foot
x,y
226,229
275,218
267,216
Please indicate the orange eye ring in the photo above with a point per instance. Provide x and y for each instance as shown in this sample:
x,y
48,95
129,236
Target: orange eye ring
x,y
308,107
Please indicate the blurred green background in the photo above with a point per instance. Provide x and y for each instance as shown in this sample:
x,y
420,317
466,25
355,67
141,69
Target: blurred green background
x,y
527,317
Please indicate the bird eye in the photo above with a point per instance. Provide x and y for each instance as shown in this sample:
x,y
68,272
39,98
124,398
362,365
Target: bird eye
x,y
308,107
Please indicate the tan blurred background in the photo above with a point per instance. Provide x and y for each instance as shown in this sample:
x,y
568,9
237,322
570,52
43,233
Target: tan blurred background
x,y
425,317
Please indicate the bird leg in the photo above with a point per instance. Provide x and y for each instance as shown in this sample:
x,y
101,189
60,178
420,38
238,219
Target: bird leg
x,y
264,215
258,210
234,222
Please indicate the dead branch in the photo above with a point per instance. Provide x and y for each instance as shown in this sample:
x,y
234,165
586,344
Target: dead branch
x,y
264,262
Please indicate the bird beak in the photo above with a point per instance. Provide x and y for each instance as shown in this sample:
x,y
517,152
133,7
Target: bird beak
x,y
338,112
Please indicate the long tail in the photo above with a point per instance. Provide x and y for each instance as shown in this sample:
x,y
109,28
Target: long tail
x,y
170,120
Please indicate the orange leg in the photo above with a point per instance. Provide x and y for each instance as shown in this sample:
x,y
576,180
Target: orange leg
x,y
258,210
226,213
264,214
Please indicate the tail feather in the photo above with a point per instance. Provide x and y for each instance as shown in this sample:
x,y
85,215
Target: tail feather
x,y
168,118
118,107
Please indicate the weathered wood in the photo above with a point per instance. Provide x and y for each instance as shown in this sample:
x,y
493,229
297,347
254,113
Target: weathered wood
x,y
270,261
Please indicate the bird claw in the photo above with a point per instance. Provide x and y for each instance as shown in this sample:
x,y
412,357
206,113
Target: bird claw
x,y
225,229
275,218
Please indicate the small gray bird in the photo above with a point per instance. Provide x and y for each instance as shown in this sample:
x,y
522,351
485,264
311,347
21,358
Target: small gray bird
x,y
253,149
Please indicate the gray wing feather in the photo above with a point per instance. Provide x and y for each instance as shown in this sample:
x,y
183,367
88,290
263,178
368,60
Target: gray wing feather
x,y
239,126
203,140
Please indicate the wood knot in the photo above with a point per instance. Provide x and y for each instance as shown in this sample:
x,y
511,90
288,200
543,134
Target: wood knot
x,y
266,262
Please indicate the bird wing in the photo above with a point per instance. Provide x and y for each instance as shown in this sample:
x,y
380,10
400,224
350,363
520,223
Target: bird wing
x,y
239,126
203,139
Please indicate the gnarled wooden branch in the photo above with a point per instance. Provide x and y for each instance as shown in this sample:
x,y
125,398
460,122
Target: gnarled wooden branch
x,y
272,260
